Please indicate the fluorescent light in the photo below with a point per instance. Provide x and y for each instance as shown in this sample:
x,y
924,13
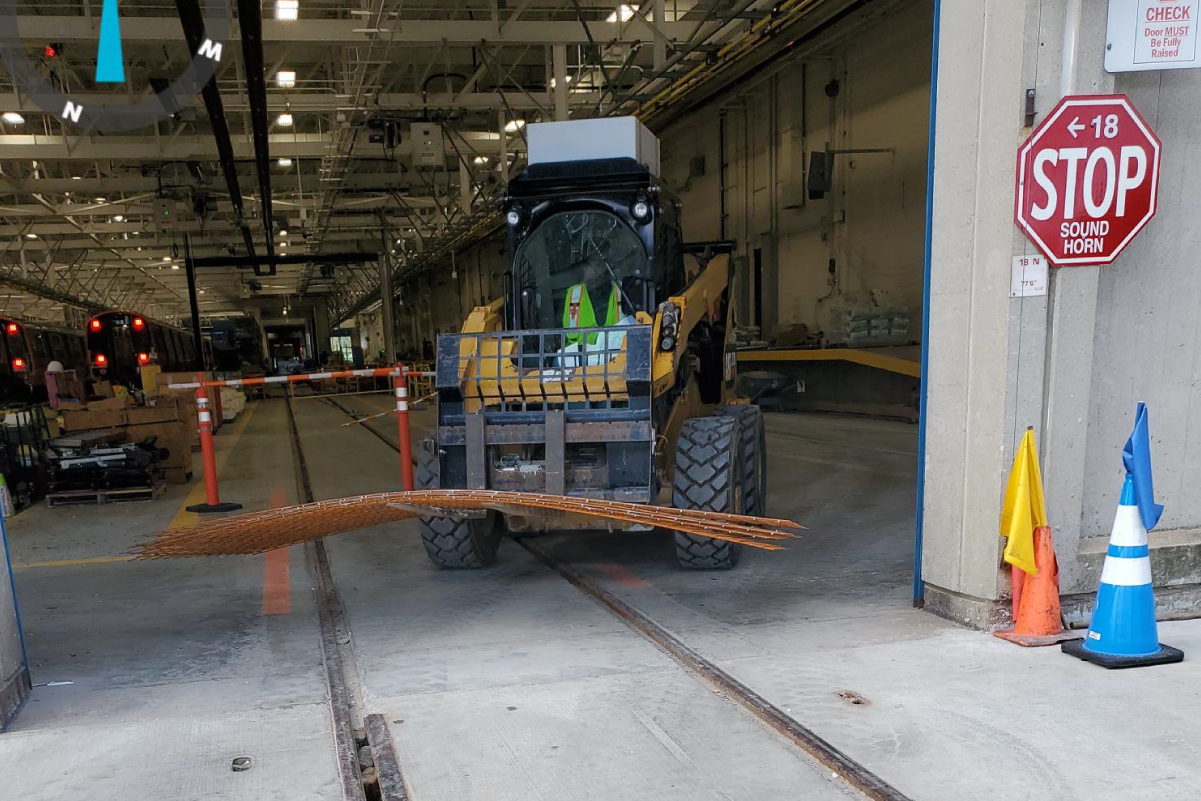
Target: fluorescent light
x,y
285,79
285,162
31,236
285,119
552,81
625,11
512,126
174,266
287,9
480,159
166,258
284,232
13,117
118,218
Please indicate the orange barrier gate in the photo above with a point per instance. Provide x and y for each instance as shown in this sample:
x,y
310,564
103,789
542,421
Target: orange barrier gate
x,y
208,455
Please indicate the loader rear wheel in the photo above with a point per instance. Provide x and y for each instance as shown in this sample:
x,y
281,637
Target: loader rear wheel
x,y
754,456
452,544
708,476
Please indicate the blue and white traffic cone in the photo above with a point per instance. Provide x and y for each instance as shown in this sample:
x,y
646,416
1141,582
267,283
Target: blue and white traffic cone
x,y
1123,632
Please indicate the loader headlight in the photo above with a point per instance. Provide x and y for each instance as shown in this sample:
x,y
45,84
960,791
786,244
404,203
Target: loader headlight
x,y
513,218
667,343
641,210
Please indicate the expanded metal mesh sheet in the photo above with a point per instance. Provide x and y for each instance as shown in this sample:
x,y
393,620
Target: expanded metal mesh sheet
x,y
258,532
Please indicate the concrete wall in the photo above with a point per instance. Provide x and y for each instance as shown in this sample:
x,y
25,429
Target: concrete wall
x,y
871,225
1072,364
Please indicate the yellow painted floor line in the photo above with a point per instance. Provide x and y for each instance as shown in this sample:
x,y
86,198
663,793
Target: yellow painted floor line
x,y
183,518
92,560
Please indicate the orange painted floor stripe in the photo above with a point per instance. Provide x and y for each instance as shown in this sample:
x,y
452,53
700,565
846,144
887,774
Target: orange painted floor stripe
x,y
277,580
622,575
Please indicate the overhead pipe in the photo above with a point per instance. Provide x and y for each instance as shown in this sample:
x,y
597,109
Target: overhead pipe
x,y
250,21
192,20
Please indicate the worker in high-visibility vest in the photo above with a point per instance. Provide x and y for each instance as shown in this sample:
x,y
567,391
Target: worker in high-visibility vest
x,y
578,311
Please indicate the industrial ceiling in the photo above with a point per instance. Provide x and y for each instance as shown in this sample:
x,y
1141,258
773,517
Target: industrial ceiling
x,y
316,157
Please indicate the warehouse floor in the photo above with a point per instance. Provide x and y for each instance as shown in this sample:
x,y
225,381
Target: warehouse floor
x,y
509,683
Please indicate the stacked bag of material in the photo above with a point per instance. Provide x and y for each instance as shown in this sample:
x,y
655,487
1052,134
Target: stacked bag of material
x,y
233,402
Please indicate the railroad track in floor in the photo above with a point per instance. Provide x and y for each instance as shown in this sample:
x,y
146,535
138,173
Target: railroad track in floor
x,y
381,777
854,773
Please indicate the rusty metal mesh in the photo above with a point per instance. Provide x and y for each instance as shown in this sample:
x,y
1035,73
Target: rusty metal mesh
x,y
276,528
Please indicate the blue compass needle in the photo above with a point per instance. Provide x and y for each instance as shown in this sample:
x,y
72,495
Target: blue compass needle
x,y
110,64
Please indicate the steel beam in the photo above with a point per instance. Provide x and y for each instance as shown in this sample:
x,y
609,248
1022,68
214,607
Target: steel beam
x,y
165,29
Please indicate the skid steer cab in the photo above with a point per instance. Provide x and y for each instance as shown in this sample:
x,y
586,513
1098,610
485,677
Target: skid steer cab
x,y
605,371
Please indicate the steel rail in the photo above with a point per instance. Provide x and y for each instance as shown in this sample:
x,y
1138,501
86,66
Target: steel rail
x,y
849,770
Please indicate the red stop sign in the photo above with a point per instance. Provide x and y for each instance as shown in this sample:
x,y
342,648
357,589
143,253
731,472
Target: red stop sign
x,y
1087,179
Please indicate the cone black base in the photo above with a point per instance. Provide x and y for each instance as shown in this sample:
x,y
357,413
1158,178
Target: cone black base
x,y
225,506
1166,655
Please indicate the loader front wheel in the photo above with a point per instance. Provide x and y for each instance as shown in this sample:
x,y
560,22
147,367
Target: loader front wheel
x,y
450,543
708,476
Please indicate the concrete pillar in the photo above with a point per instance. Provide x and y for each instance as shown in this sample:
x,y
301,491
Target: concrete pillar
x,y
559,70
998,365
14,667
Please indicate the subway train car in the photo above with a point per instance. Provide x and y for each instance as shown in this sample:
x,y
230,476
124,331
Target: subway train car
x,y
120,342
27,348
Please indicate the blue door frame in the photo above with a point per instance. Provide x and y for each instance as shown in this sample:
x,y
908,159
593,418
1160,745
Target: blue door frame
x,y
919,587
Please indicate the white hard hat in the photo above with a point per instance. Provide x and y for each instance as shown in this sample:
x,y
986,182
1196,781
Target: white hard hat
x,y
54,367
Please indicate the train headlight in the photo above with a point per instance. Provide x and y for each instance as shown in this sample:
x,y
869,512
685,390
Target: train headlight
x,y
143,358
138,324
12,329
513,218
19,364
101,360
97,325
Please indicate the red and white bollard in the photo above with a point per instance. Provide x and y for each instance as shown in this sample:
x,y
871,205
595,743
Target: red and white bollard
x,y
402,421
208,456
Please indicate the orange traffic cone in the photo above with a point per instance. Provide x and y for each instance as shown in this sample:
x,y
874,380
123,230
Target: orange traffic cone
x,y
1037,620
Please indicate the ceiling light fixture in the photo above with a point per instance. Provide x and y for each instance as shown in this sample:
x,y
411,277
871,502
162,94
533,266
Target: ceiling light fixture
x,y
285,119
287,10
285,162
285,79
118,218
31,236
625,11
512,126
13,118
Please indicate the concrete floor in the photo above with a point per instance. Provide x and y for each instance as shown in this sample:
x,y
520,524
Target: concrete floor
x,y
509,683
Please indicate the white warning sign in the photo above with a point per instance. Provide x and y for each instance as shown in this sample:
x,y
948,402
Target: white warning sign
x,y
1151,35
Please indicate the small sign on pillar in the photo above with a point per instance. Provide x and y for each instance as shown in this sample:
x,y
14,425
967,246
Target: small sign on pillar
x,y
1029,276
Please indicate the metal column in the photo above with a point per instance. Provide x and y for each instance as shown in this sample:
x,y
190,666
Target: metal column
x,y
386,298
559,68
193,303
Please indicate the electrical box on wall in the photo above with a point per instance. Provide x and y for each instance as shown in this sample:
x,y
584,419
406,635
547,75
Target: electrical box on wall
x,y
426,140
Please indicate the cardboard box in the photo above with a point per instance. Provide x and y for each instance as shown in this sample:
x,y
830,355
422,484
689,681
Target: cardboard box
x,y
159,413
173,436
150,374
177,475
90,419
109,404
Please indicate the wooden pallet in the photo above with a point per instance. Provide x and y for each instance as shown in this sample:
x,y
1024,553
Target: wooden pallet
x,y
123,495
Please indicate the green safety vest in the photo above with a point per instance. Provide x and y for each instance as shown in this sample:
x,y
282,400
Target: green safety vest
x,y
578,313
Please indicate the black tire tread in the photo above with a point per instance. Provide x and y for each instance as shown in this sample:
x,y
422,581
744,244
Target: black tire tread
x,y
451,544
753,444
707,470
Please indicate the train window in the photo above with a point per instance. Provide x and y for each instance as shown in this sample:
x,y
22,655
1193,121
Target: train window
x,y
39,348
